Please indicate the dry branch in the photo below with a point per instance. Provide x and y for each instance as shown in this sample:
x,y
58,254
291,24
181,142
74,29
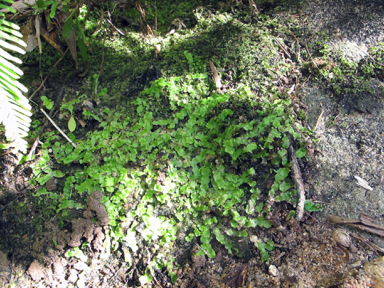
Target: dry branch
x,y
58,129
299,184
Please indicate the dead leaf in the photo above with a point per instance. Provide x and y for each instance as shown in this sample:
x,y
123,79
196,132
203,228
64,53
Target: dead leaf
x,y
88,104
81,122
251,207
71,42
215,77
157,48
236,277
52,37
21,5
29,36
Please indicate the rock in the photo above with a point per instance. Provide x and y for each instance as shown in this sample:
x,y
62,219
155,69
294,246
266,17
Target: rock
x,y
59,267
72,278
80,266
375,269
99,237
51,184
36,271
81,228
372,275
95,205
4,262
272,270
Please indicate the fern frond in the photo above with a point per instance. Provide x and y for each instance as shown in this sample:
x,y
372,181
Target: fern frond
x,y
15,111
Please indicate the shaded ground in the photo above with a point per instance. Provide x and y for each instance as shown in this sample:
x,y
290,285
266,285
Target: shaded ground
x,y
350,133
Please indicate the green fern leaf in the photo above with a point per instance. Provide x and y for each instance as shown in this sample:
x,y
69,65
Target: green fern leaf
x,y
15,111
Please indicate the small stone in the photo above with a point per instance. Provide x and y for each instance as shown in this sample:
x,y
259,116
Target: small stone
x,y
59,267
36,271
272,270
88,104
51,252
80,266
72,278
51,184
254,239
342,237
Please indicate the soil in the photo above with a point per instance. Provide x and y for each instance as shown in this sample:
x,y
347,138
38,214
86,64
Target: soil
x,y
350,132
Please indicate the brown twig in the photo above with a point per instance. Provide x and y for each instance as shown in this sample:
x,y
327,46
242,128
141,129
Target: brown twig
x,y
369,55
56,104
299,184
282,47
253,7
364,224
102,56
278,257
150,269
155,18
368,229
117,29
366,241
144,26
309,53
298,46
58,129
100,22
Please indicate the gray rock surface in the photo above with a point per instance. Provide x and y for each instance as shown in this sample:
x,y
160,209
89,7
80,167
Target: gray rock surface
x,y
351,127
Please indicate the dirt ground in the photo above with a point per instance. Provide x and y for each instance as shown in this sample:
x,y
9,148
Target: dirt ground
x,y
350,132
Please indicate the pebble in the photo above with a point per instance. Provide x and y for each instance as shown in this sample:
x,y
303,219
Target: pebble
x,y
80,266
272,270
72,278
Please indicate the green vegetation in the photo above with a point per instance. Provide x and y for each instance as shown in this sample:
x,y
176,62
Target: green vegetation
x,y
191,147
311,207
189,144
169,153
341,72
14,107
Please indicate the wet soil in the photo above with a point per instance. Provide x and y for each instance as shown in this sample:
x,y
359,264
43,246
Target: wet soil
x,y
350,132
